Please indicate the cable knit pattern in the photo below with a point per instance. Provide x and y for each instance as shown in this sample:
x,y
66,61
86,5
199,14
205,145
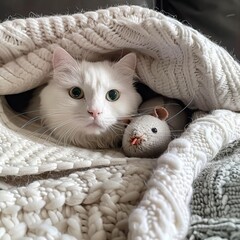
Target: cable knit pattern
x,y
94,203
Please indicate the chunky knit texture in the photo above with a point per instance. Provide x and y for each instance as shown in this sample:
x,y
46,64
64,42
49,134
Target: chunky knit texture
x,y
94,203
215,203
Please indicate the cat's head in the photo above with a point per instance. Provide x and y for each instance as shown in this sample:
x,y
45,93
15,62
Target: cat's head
x,y
89,97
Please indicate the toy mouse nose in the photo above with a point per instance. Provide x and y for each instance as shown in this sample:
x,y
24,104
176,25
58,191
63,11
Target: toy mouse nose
x,y
136,140
94,113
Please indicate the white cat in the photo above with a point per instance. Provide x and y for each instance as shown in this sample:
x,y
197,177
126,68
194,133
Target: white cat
x,y
85,102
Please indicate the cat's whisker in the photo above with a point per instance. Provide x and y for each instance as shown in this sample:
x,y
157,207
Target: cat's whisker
x,y
53,111
175,130
51,130
149,109
24,114
116,131
32,133
38,131
66,135
130,116
119,127
41,117
27,113
71,135
32,120
61,125
185,107
48,136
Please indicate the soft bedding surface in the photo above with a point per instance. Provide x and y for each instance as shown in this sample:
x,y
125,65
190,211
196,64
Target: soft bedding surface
x,y
56,192
216,198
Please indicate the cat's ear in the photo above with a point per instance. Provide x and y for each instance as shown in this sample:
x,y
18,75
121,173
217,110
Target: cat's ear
x,y
61,58
161,113
127,64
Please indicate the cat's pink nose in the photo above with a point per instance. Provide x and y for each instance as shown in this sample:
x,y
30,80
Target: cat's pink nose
x,y
94,113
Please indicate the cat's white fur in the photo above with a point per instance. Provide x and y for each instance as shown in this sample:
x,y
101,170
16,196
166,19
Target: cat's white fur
x,y
70,119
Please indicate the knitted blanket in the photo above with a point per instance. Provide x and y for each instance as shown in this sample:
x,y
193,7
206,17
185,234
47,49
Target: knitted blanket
x,y
215,202
56,192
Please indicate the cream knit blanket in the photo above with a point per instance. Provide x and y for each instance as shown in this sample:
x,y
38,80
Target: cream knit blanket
x,y
82,194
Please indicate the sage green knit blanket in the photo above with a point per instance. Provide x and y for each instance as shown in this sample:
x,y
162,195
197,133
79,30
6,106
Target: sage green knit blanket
x,y
215,205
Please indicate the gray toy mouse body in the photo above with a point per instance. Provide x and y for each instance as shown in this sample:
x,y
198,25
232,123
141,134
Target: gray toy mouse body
x,y
149,135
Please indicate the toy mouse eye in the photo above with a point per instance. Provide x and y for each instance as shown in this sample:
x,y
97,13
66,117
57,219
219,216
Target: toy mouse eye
x,y
113,95
76,93
154,130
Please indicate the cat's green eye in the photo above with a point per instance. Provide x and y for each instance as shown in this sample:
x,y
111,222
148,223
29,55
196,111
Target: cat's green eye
x,y
76,93
113,95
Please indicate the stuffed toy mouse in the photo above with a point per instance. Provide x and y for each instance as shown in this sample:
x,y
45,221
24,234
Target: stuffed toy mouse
x,y
149,135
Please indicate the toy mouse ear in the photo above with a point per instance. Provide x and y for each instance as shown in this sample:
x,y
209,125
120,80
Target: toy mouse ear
x,y
127,120
161,113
